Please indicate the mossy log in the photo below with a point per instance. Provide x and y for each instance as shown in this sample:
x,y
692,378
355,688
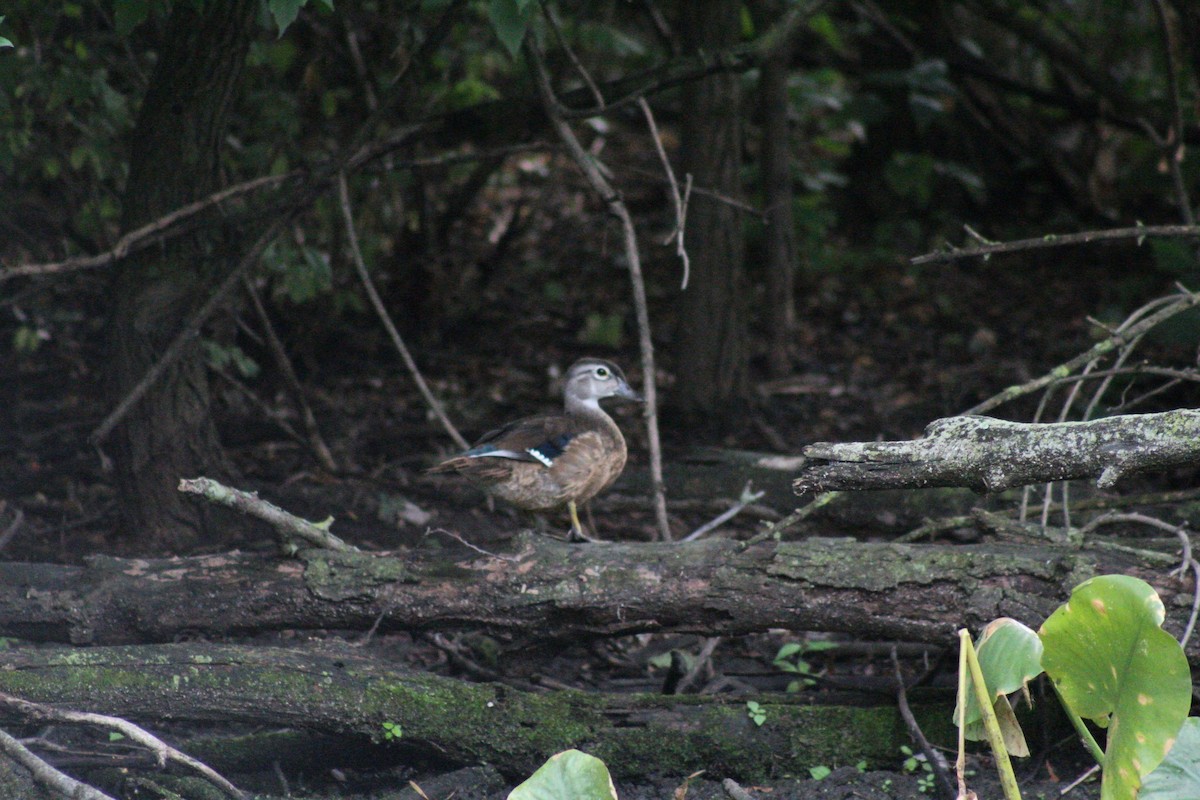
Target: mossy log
x,y
349,695
547,590
989,455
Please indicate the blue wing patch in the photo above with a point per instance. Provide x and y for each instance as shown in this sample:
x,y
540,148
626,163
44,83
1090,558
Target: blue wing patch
x,y
543,453
550,449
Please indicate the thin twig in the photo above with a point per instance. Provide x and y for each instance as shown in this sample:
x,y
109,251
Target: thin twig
x,y
1178,303
689,189
933,758
774,530
616,206
930,527
1126,405
315,441
163,752
1125,350
552,18
188,333
263,406
748,497
381,311
677,200
1172,143
11,530
395,93
285,523
58,783
703,658
679,71
140,238
1191,626
458,538
1177,375
1139,233
1070,787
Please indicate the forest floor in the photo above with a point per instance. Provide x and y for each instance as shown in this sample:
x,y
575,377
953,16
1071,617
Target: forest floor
x,y
879,353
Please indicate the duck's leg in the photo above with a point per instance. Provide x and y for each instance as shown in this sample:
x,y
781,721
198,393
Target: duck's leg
x,y
577,533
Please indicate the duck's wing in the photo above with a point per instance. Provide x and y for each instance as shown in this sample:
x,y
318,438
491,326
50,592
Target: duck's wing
x,y
541,439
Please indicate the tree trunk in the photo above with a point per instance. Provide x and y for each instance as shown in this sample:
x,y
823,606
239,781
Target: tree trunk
x,y
777,197
170,433
712,349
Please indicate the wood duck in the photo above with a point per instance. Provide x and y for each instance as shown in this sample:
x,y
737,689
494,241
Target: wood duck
x,y
545,462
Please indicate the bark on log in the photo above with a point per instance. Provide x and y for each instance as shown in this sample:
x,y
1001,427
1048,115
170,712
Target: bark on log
x,y
552,590
989,455
466,723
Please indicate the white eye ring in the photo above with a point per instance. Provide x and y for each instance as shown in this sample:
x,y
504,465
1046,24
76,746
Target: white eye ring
x,y
601,372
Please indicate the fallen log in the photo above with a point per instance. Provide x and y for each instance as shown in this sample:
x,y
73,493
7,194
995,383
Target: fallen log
x,y
549,590
428,716
989,455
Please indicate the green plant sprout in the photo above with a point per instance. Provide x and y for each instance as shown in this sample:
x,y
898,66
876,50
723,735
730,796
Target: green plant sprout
x,y
1110,662
757,714
916,764
790,658
391,731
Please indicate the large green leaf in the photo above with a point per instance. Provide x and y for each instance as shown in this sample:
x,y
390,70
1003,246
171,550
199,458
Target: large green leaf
x,y
128,14
1178,776
284,12
569,775
1112,663
510,19
1010,656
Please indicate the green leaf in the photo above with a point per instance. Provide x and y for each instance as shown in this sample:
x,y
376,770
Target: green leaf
x,y
510,20
1178,776
304,272
569,774
470,91
128,14
823,26
26,339
605,330
4,42
661,661
788,650
819,773
285,12
1112,663
1010,656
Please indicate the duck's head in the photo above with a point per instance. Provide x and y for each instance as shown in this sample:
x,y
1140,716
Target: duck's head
x,y
590,380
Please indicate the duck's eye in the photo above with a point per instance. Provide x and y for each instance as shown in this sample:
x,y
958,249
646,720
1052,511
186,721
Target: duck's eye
x,y
601,372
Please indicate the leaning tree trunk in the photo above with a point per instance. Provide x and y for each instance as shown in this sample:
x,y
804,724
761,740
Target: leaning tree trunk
x,y
169,434
711,354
